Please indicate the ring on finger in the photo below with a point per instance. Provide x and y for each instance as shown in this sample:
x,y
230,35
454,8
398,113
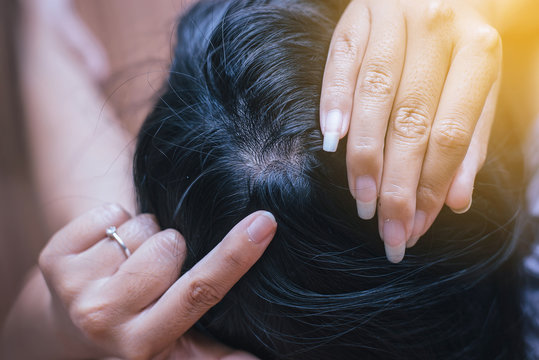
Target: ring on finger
x,y
113,235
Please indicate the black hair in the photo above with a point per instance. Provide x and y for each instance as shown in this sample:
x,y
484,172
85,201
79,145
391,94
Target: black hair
x,y
236,130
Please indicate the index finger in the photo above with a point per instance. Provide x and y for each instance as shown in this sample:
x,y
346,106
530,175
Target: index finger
x,y
208,281
340,74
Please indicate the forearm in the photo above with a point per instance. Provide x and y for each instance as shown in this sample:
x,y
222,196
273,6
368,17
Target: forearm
x,y
31,331
81,156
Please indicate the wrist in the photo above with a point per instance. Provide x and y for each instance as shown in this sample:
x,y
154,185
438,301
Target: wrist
x,y
71,343
36,330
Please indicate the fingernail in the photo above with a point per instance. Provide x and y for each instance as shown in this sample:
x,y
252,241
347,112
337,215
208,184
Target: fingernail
x,y
462,211
393,233
366,197
420,220
262,228
394,238
395,254
332,130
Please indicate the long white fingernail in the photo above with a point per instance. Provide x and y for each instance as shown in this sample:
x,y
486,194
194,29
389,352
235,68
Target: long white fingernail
x,y
394,237
332,130
395,254
366,197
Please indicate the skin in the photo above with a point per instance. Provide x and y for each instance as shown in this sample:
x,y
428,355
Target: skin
x,y
101,303
414,85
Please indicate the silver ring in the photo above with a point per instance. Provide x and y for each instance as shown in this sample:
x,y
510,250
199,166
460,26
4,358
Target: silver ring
x,y
113,235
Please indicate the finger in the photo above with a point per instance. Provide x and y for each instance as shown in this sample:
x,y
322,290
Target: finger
x,y
428,56
239,355
86,230
459,197
208,281
532,196
472,75
148,273
375,91
531,149
340,75
61,273
105,257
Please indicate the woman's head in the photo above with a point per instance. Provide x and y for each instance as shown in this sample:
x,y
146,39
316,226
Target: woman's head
x,y
235,130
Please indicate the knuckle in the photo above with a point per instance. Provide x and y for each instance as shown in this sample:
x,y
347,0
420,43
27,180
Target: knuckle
x,y
92,318
487,38
171,243
439,14
338,90
377,83
234,260
202,295
68,287
396,198
46,261
137,351
149,222
345,46
411,124
112,212
427,196
451,136
365,151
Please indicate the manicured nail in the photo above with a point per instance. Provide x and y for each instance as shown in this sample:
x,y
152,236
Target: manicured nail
x,y
393,232
462,211
395,254
332,130
262,228
394,238
366,197
420,219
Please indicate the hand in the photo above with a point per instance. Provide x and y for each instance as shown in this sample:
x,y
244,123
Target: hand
x,y
414,84
105,304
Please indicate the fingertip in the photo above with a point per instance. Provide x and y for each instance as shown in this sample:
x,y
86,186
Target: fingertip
x,y
366,210
262,229
171,235
459,197
464,209
269,216
169,242
332,129
420,220
366,197
395,254
412,242
331,141
394,236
